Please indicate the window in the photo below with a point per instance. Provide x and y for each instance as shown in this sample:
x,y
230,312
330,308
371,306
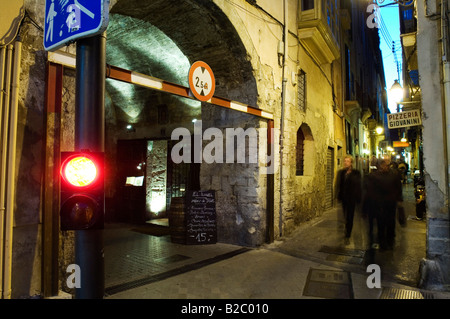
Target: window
x,y
305,152
331,11
349,135
307,4
301,91
348,86
300,154
408,14
319,29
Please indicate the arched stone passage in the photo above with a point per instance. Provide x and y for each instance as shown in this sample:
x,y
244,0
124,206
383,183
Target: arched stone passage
x,y
162,39
202,32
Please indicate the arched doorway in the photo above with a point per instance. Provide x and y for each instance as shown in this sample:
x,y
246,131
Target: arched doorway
x,y
162,39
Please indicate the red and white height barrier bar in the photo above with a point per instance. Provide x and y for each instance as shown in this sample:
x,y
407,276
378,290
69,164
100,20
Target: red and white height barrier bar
x,y
151,82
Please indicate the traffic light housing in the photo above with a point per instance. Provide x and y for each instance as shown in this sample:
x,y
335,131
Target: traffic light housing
x,y
82,190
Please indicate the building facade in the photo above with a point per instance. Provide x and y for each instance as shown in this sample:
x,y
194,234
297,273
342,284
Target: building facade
x,y
298,63
411,88
432,48
363,85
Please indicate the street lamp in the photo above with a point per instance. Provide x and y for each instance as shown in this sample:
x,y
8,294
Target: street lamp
x,y
396,92
379,130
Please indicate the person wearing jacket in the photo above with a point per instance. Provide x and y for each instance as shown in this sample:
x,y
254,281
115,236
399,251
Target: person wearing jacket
x,y
348,183
391,195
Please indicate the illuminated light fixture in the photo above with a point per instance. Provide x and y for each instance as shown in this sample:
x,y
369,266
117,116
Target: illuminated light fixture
x,y
379,130
130,128
80,171
158,202
194,120
403,139
396,92
82,190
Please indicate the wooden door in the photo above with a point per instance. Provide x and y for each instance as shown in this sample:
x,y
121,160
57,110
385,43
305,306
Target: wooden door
x,y
131,157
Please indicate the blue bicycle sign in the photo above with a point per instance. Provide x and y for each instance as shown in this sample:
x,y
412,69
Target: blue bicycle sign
x,y
68,20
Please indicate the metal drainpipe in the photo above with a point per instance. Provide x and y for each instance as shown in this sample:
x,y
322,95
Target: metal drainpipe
x,y
2,206
6,105
283,104
446,83
10,186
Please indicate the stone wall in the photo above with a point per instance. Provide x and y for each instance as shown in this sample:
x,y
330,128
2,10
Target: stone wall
x,y
435,274
30,149
243,54
156,178
240,187
29,162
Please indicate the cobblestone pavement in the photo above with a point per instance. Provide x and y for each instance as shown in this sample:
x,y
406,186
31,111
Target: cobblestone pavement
x,y
314,262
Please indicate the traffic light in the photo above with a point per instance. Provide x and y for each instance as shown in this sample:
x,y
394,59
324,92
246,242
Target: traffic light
x,y
82,190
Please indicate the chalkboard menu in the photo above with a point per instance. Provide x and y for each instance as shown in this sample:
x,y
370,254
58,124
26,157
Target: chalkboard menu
x,y
200,216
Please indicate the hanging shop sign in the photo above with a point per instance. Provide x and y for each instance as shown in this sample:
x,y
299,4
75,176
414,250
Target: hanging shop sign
x,y
400,144
404,119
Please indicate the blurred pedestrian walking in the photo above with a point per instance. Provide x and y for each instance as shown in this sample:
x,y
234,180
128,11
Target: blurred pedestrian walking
x,y
420,201
403,169
348,190
372,201
391,195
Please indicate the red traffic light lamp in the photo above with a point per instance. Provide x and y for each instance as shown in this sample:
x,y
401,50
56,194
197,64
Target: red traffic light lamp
x,y
82,190
79,171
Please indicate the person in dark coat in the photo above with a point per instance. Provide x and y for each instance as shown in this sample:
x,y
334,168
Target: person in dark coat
x,y
348,191
420,202
372,200
390,192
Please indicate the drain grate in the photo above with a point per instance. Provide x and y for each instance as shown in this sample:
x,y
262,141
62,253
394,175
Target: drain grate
x,y
329,284
345,259
172,259
396,293
344,255
343,251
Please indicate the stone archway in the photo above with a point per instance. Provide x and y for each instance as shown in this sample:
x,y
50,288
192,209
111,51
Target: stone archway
x,y
202,31
162,38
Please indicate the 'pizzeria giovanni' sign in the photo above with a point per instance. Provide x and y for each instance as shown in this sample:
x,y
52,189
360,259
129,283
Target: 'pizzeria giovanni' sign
x,y
402,119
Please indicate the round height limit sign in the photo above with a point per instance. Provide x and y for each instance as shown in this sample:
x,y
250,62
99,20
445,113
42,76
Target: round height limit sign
x,y
201,81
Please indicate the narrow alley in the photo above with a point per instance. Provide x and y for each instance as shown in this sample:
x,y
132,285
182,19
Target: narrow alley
x,y
314,262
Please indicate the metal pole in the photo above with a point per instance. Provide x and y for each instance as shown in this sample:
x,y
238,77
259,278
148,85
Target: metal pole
x,y
89,135
11,164
446,84
283,104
